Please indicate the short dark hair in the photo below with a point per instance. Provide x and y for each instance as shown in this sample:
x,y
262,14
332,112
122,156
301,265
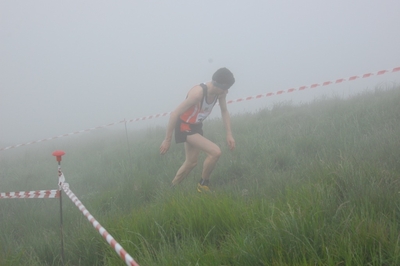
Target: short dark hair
x,y
223,78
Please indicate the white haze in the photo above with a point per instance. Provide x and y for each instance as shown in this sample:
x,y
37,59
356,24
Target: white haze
x,y
72,65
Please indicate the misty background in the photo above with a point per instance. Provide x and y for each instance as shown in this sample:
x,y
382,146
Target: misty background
x,y
72,65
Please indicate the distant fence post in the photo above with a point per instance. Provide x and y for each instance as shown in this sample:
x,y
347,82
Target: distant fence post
x,y
127,140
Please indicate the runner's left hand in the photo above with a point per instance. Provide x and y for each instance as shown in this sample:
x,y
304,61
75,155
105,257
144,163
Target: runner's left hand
x,y
231,142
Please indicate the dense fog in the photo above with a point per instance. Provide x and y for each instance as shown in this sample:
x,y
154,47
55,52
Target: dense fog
x,y
72,65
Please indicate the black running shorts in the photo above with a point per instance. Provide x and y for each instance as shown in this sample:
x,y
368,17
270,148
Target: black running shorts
x,y
182,130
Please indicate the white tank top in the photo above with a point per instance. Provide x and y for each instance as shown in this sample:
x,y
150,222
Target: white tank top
x,y
197,113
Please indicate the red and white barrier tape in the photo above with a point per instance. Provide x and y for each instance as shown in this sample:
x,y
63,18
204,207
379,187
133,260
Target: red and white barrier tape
x,y
302,88
60,136
39,194
117,247
314,85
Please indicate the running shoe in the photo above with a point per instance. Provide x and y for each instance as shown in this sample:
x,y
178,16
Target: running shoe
x,y
202,186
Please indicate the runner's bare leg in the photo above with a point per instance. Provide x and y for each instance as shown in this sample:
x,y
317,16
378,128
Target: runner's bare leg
x,y
192,156
210,148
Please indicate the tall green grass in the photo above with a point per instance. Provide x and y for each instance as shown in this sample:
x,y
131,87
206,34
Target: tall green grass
x,y
315,184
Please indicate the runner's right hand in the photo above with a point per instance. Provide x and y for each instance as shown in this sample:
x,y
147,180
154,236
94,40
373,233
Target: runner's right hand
x,y
165,146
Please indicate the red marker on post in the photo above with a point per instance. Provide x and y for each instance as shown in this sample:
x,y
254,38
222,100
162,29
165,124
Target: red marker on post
x,y
58,154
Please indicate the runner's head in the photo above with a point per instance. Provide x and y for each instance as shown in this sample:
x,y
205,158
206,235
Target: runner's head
x,y
223,78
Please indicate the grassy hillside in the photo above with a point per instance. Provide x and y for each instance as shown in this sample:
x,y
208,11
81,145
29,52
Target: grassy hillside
x,y
316,184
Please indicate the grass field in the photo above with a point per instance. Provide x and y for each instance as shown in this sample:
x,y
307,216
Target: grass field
x,y
315,184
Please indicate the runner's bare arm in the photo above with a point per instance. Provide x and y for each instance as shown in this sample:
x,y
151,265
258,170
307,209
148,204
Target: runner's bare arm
x,y
227,122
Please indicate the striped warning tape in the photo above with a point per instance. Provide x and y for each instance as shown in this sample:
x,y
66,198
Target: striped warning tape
x,y
301,88
315,85
63,135
103,232
39,194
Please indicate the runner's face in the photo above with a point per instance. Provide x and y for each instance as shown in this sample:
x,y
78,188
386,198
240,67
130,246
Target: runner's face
x,y
221,91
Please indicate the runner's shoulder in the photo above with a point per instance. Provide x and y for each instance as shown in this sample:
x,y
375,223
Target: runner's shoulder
x,y
196,92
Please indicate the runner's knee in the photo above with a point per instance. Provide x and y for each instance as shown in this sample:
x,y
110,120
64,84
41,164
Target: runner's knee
x,y
216,153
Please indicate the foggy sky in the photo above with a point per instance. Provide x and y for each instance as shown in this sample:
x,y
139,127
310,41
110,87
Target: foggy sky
x,y
72,65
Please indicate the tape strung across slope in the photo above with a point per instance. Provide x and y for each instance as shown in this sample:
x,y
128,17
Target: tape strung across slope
x,y
269,94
